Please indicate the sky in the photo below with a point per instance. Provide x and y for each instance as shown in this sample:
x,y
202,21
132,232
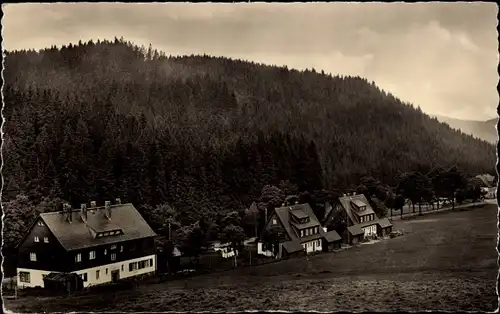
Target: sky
x,y
442,57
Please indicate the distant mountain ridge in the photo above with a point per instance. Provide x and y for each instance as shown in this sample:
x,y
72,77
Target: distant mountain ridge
x,y
485,130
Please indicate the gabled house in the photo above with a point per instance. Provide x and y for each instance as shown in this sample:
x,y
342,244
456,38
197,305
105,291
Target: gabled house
x,y
301,231
100,244
359,219
487,184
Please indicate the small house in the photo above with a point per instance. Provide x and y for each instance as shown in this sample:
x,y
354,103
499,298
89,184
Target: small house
x,y
359,219
300,231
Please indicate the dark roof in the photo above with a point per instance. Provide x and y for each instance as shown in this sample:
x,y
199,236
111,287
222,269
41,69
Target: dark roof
x,y
359,202
368,223
384,223
345,201
332,236
283,214
78,234
292,246
299,214
355,230
308,224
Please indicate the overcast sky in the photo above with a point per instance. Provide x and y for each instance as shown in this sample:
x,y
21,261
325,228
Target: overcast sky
x,y
440,56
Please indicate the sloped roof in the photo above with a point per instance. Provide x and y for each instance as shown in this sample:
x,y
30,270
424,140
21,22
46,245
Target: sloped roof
x,y
292,246
78,234
384,223
345,201
487,180
299,214
332,236
355,230
283,214
359,202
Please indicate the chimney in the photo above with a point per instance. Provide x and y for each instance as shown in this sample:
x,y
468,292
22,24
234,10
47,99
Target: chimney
x,y
118,201
107,208
84,211
67,211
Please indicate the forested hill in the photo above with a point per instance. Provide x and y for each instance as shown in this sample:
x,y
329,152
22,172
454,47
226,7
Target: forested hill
x,y
109,119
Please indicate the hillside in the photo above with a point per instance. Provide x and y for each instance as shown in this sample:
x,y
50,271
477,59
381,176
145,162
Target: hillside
x,y
205,133
485,130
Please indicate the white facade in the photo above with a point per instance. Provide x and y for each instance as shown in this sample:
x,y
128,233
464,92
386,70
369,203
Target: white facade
x,y
370,230
313,246
261,251
95,275
34,276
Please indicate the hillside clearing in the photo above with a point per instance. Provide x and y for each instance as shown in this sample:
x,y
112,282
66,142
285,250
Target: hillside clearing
x,y
447,264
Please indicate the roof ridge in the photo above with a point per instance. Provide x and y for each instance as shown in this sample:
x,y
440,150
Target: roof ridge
x,y
74,210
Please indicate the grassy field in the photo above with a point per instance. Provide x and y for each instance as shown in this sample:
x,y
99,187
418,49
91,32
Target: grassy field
x,y
445,261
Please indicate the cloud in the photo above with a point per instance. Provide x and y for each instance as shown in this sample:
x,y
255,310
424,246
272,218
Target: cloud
x,y
441,56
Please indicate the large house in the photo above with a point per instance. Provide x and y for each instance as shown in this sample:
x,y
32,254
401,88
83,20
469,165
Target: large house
x,y
300,231
358,218
100,244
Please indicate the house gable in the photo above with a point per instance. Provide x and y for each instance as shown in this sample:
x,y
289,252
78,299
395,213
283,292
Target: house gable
x,y
275,221
39,243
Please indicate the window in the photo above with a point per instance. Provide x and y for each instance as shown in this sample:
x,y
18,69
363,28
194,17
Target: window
x,y
105,251
37,239
45,239
97,274
150,262
33,257
307,232
24,276
121,248
40,223
111,233
106,271
122,267
92,255
113,247
132,266
274,221
105,234
78,257
301,233
84,276
113,256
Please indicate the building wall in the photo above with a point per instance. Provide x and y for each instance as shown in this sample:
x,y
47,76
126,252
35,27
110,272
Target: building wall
x,y
35,276
370,230
122,267
261,251
313,246
49,255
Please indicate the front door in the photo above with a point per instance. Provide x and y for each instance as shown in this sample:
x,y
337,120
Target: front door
x,y
115,275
